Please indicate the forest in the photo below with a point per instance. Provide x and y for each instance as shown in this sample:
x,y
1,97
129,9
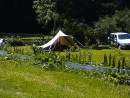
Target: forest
x,y
93,18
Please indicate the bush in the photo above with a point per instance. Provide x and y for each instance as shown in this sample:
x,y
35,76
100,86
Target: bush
x,y
120,78
50,61
106,25
16,42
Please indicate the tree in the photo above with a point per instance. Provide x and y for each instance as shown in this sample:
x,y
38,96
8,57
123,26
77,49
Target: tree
x,y
77,16
46,11
59,12
123,19
119,22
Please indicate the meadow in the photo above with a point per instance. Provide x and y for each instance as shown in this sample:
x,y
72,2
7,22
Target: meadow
x,y
26,78
97,54
45,76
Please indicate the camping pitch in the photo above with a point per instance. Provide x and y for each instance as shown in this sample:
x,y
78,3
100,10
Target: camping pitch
x,y
59,42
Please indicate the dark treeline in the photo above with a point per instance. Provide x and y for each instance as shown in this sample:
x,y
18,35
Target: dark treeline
x,y
17,16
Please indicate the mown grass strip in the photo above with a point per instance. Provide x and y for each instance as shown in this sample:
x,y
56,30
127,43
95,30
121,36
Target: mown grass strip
x,y
27,81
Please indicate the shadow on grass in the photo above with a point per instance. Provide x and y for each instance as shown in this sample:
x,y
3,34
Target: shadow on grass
x,y
100,47
128,48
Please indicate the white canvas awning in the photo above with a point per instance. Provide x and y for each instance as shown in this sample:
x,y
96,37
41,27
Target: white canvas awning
x,y
53,40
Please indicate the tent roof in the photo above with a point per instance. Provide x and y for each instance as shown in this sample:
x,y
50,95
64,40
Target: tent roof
x,y
60,33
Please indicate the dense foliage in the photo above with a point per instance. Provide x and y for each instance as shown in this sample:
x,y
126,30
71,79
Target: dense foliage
x,y
105,16
119,22
18,16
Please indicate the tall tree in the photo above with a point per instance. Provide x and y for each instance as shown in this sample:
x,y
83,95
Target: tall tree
x,y
60,13
70,14
46,12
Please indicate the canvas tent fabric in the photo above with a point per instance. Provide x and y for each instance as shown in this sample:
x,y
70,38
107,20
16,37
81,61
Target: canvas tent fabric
x,y
1,41
59,41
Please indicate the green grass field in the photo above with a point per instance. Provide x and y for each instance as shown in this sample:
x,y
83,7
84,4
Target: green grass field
x,y
97,54
23,80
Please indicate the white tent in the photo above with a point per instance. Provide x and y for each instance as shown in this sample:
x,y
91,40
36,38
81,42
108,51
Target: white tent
x,y
61,39
1,41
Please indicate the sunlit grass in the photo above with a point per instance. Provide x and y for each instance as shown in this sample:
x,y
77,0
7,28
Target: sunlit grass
x,y
35,38
24,80
97,56
83,54
23,49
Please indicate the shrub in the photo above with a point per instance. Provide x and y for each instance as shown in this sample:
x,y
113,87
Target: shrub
x,y
106,25
119,78
50,61
15,41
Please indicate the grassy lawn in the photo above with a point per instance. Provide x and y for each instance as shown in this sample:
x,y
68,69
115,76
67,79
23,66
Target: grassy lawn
x,y
22,80
97,54
36,38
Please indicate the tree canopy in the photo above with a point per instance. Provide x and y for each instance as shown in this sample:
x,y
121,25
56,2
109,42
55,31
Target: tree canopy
x,y
91,18
70,14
